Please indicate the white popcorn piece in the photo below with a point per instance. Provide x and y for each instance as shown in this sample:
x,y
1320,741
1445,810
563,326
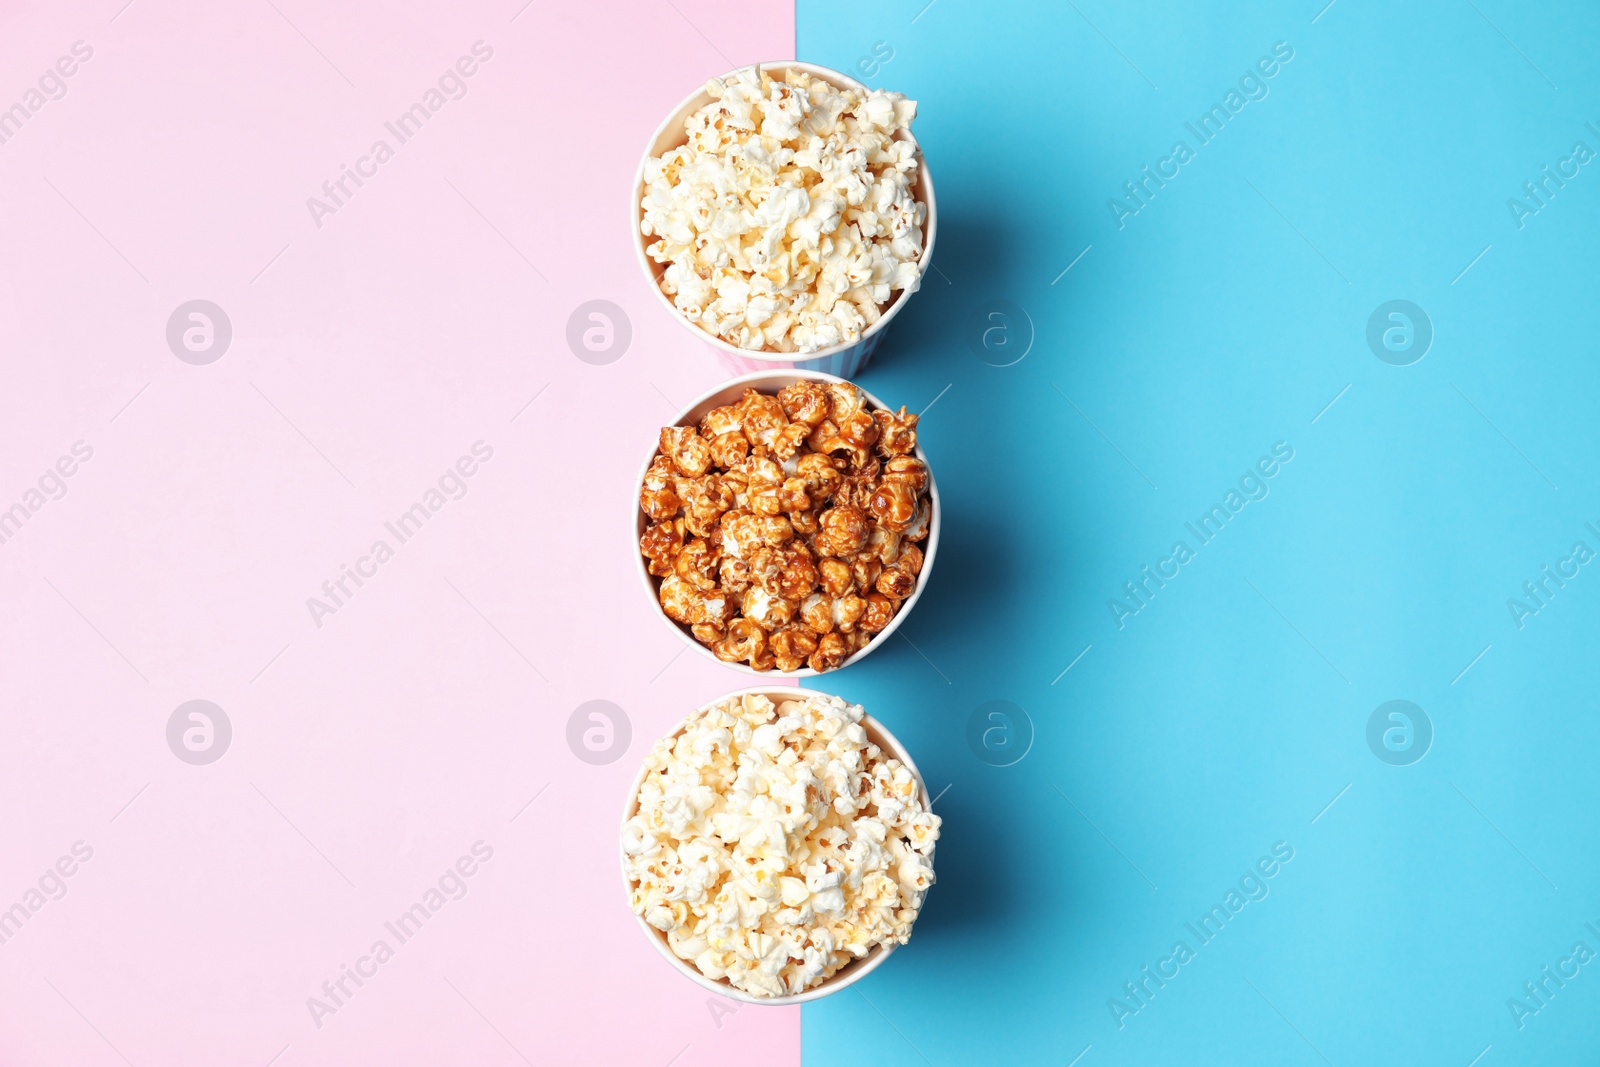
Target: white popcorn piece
x,y
788,218
774,844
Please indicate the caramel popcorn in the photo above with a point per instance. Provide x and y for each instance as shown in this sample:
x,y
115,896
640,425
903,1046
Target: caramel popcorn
x,y
784,528
788,217
774,844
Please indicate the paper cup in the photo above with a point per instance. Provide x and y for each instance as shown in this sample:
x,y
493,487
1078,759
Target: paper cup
x,y
770,381
844,360
851,972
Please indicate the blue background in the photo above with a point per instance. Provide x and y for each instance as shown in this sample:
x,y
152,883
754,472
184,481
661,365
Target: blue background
x,y
1225,716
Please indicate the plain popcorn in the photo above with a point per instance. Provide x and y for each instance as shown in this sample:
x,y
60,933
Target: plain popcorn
x,y
774,843
788,218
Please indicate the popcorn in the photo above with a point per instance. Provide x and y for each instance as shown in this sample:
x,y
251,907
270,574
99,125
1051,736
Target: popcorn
x,y
774,843
788,217
784,528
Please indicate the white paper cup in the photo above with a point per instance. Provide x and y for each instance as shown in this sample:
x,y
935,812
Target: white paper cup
x,y
844,360
851,972
770,381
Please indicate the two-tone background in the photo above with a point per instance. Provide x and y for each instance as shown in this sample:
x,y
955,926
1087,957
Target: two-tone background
x,y
1339,347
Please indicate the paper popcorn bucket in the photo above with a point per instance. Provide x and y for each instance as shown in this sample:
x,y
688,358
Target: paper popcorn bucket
x,y
770,381
847,975
845,360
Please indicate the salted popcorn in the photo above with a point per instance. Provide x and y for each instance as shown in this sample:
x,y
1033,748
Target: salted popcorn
x,y
774,843
788,218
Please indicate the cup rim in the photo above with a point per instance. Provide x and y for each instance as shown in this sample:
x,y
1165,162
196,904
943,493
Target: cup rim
x,y
930,544
675,118
851,972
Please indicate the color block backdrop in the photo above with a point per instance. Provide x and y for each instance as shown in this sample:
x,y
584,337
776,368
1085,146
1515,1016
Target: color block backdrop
x,y
400,345
1210,318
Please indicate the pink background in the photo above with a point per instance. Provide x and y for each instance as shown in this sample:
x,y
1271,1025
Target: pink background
x,y
369,754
